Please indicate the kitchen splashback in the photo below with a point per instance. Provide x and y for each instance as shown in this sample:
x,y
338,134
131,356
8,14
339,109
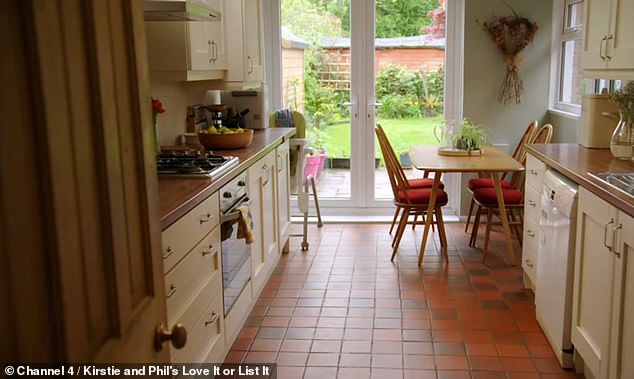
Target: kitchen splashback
x,y
255,101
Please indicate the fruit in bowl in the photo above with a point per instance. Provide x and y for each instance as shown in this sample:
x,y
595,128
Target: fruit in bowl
x,y
225,138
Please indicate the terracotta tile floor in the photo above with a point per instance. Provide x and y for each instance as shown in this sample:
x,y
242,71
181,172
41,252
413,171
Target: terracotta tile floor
x,y
343,310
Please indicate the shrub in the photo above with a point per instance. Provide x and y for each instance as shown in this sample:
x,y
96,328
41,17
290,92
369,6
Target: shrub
x,y
398,106
415,88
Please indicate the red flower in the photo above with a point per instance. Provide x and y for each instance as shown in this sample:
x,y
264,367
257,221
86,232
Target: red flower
x,y
157,106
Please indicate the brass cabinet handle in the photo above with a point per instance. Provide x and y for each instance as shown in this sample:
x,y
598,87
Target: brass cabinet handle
x,y
529,263
171,292
205,218
534,172
214,318
532,203
168,252
178,336
207,252
530,233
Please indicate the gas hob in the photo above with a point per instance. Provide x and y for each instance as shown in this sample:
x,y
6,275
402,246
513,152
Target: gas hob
x,y
194,165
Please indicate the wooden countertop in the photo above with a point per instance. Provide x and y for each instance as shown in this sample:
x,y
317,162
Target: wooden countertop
x,y
177,196
575,161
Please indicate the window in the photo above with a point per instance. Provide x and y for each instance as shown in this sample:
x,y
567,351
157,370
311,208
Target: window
x,y
567,85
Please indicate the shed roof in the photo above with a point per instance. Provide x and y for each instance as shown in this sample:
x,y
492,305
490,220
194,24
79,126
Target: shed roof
x,y
291,41
424,41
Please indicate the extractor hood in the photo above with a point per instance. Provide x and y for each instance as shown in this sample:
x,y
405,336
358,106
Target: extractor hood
x,y
161,10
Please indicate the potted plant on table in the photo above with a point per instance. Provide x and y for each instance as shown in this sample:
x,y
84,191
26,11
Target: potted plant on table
x,y
471,137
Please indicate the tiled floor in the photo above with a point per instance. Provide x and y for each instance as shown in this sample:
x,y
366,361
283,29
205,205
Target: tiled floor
x,y
343,310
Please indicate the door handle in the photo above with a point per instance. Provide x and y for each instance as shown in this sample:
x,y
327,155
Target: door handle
x,y
178,336
353,108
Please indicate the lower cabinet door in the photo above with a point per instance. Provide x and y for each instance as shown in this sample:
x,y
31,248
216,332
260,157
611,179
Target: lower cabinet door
x,y
205,330
593,285
622,342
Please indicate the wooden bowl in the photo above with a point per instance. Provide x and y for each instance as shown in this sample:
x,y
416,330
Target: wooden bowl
x,y
226,141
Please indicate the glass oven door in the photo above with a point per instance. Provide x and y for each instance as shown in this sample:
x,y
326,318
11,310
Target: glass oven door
x,y
236,256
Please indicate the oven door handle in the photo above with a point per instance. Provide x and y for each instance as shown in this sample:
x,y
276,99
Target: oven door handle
x,y
234,215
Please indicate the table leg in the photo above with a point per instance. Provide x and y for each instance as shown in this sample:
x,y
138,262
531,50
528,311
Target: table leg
x,y
505,221
428,217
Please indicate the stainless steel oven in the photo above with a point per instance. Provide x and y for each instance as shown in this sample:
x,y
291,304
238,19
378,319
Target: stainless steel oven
x,y
235,251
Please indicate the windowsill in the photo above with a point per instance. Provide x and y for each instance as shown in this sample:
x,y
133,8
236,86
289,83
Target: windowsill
x,y
570,115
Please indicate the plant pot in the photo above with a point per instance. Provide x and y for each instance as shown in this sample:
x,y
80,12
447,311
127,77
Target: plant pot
x,y
344,163
339,163
405,161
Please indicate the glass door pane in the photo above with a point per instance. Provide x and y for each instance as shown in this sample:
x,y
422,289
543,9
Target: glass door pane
x,y
316,67
409,79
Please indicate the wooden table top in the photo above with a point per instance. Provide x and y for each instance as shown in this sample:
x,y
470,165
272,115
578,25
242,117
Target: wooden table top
x,y
492,159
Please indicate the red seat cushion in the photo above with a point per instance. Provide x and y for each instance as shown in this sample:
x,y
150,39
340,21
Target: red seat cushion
x,y
488,197
486,182
421,196
424,183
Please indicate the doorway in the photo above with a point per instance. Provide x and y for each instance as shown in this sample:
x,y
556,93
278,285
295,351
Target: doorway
x,y
345,82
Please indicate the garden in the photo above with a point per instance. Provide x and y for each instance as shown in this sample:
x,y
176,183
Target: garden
x,y
412,105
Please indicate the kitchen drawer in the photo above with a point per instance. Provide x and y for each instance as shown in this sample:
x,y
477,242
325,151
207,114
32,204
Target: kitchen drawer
x,y
532,202
180,237
205,330
529,248
190,275
535,170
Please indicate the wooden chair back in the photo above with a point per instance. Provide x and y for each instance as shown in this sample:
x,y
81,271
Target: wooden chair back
x,y
519,153
395,172
544,134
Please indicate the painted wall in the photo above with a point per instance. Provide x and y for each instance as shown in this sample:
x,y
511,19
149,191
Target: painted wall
x,y
565,127
484,71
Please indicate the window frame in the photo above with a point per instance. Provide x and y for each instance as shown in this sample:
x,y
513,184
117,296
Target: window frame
x,y
560,35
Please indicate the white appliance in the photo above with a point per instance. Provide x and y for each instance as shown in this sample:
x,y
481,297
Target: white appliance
x,y
555,263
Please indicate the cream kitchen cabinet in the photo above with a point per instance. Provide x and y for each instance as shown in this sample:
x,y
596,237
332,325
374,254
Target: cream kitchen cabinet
x,y
193,282
263,195
535,170
607,42
188,50
603,299
283,195
245,51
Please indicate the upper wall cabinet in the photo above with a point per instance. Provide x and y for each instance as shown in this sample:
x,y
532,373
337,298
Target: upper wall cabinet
x,y
608,46
245,50
188,51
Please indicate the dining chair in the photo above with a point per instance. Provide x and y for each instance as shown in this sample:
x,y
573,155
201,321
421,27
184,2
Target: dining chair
x,y
486,198
424,182
407,199
519,154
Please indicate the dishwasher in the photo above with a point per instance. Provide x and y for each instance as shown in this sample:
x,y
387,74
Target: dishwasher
x,y
555,264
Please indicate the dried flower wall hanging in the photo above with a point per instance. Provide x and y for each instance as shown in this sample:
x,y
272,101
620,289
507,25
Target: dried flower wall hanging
x,y
511,34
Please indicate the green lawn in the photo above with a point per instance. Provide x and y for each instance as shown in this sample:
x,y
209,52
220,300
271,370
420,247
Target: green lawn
x,y
402,134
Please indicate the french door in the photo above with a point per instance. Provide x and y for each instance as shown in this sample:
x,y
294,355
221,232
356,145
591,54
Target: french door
x,y
357,184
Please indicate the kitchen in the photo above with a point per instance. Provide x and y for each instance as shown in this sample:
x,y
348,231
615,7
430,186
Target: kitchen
x,y
48,201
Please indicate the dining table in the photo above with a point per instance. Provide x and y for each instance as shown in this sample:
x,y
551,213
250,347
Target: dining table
x,y
489,160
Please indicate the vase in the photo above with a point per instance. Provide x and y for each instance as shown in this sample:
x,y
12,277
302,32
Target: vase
x,y
157,144
622,141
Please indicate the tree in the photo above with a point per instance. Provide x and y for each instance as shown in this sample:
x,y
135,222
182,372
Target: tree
x,y
402,18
